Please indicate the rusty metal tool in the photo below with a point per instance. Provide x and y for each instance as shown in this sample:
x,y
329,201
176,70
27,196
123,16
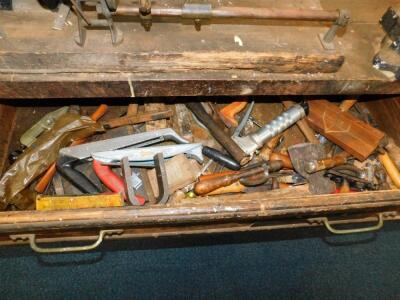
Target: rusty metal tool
x,y
251,143
128,182
162,180
138,118
246,117
300,155
287,163
200,12
313,166
206,186
229,112
218,133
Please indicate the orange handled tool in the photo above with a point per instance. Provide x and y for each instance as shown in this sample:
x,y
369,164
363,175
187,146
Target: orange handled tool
x,y
48,176
228,113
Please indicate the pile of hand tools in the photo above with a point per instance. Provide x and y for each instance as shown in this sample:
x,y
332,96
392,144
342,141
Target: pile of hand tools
x,y
67,160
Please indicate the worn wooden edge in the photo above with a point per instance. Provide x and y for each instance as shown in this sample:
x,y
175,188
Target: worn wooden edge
x,y
252,206
279,62
196,229
159,87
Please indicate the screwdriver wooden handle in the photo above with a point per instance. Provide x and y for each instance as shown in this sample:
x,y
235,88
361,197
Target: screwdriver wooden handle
x,y
235,187
206,186
51,171
228,113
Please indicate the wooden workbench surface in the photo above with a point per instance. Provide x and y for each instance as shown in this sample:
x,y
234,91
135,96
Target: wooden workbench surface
x,y
175,60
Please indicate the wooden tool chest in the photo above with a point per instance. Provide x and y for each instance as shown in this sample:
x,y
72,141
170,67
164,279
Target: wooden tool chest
x,y
45,70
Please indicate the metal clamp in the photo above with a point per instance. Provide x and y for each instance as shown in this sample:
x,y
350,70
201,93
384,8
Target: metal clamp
x,y
32,242
145,14
103,7
329,227
327,38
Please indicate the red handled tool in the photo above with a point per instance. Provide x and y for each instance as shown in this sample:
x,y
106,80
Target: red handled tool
x,y
112,181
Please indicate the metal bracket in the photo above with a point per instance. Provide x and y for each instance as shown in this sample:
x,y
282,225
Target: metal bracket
x,y
162,180
127,175
103,8
145,14
327,38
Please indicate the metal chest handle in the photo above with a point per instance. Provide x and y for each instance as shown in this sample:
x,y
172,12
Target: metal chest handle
x,y
329,227
31,237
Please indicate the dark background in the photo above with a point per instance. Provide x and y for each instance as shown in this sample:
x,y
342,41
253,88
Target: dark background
x,y
309,263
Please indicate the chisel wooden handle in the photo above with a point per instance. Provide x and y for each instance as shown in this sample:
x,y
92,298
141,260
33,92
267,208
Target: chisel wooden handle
x,y
206,186
229,111
48,176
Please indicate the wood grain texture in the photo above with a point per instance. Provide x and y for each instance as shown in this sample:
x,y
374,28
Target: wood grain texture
x,y
256,206
342,128
23,51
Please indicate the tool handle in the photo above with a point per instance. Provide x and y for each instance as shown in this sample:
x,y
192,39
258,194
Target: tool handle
x,y
345,105
78,179
390,168
215,175
111,180
219,157
218,133
51,171
206,186
269,147
229,111
138,118
328,163
99,112
287,163
307,131
235,187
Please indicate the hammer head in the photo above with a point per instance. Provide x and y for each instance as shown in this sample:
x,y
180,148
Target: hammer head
x,y
301,155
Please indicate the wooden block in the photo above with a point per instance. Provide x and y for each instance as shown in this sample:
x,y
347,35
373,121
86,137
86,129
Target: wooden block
x,y
155,125
342,128
75,202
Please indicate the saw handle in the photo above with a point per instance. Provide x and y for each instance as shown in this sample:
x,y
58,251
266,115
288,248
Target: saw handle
x,y
229,112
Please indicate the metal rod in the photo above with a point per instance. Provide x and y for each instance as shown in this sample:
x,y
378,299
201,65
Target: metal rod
x,y
78,9
240,12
